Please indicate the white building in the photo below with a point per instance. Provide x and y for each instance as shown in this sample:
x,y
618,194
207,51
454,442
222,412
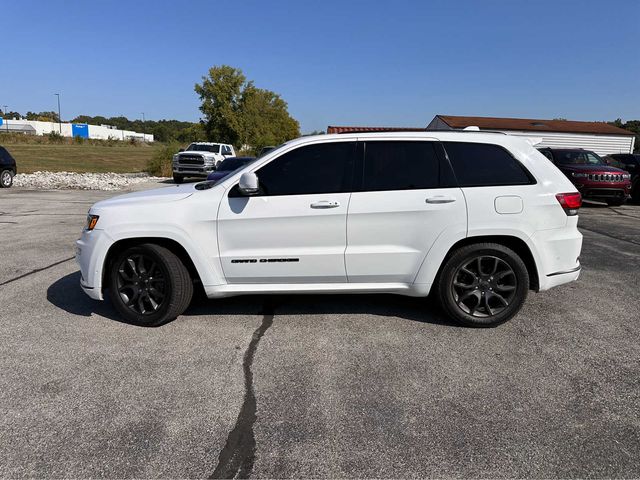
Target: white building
x,y
101,132
599,137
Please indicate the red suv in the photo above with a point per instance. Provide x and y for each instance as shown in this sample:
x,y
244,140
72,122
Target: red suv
x,y
593,178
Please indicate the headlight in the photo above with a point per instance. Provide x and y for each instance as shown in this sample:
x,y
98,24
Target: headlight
x,y
579,175
91,222
626,176
175,158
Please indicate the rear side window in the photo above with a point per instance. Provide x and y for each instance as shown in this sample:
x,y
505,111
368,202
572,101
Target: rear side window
x,y
397,165
480,164
319,168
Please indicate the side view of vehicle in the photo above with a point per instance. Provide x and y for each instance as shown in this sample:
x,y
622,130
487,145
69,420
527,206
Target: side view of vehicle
x,y
631,163
8,168
593,178
476,219
227,166
199,159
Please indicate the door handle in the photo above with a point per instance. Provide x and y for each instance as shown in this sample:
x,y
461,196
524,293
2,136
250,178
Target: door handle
x,y
325,204
440,199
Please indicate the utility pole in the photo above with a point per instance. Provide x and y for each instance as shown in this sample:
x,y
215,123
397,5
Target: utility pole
x,y
59,118
144,135
6,119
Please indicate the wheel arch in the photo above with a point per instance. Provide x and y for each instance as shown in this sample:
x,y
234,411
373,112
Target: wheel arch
x,y
170,244
516,244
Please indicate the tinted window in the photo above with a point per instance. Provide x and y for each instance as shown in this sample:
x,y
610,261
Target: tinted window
x,y
233,163
321,168
479,164
547,154
397,165
577,157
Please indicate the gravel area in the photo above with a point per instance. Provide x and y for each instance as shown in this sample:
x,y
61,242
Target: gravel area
x,y
81,181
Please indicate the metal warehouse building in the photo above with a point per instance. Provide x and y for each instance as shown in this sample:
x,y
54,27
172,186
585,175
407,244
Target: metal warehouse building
x,y
600,137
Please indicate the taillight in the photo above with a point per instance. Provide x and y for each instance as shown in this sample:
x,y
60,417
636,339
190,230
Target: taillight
x,y
570,202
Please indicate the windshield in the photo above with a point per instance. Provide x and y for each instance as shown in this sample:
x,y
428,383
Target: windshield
x,y
194,147
577,157
233,163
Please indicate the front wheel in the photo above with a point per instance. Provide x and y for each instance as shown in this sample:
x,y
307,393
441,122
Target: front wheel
x,y
6,178
483,285
149,285
178,178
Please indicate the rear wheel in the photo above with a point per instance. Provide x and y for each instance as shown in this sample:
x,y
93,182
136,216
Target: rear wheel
x,y
178,178
6,178
149,285
483,285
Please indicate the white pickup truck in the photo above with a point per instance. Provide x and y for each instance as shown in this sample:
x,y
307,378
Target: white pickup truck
x,y
199,159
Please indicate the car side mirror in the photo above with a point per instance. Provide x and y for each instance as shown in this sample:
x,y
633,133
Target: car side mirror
x,y
248,184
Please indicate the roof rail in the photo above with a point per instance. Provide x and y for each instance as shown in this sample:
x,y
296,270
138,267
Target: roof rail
x,y
445,130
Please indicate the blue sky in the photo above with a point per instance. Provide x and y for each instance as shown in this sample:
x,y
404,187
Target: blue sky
x,y
392,63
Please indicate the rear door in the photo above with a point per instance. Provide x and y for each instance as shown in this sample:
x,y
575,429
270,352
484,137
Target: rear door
x,y
407,198
294,230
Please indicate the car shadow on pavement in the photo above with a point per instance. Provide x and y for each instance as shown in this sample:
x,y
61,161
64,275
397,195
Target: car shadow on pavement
x,y
66,294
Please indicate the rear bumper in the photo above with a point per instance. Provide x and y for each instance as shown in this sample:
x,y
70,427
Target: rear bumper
x,y
558,252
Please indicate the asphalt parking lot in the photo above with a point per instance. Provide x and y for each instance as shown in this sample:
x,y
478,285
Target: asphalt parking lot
x,y
313,386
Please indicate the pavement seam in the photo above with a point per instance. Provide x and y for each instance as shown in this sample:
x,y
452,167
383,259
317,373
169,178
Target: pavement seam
x,y
238,455
35,271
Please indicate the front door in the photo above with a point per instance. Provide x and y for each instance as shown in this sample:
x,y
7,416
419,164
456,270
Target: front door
x,y
407,199
294,229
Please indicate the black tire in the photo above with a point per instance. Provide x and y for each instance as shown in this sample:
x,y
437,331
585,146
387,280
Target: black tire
x,y
178,178
486,299
162,280
6,178
635,192
616,202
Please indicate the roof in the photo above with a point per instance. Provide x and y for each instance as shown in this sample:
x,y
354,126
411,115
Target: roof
x,y
534,125
334,129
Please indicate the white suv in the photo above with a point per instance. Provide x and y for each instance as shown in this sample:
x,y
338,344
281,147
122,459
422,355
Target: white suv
x,y
479,219
199,159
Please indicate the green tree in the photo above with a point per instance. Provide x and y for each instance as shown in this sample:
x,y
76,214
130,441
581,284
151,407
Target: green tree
x,y
220,94
236,111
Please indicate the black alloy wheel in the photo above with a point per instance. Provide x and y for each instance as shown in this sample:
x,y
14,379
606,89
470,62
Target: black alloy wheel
x,y
484,286
149,284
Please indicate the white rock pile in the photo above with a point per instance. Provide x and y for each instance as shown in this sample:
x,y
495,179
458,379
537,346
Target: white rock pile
x,y
81,181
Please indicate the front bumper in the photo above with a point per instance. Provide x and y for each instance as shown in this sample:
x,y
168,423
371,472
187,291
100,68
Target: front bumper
x,y
193,170
602,190
91,252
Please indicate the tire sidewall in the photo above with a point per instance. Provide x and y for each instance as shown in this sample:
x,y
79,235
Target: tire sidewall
x,y
158,316
464,256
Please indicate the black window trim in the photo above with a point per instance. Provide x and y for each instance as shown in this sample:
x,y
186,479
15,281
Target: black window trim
x,y
532,179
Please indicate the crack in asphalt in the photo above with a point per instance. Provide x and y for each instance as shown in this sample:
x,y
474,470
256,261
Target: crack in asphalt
x,y
238,455
35,271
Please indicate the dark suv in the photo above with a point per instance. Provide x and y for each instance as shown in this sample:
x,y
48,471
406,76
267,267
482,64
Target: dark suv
x,y
593,178
7,168
631,163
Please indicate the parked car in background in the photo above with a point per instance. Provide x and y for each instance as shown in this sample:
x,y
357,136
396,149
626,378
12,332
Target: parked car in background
x,y
593,178
631,163
199,159
229,165
477,218
7,168
266,150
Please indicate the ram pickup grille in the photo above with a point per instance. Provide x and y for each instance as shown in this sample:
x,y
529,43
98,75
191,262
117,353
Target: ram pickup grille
x,y
605,177
190,160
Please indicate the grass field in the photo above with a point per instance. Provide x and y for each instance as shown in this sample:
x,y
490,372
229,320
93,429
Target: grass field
x,y
81,158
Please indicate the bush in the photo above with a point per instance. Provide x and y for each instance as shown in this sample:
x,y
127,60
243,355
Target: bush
x,y
160,163
55,137
78,140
